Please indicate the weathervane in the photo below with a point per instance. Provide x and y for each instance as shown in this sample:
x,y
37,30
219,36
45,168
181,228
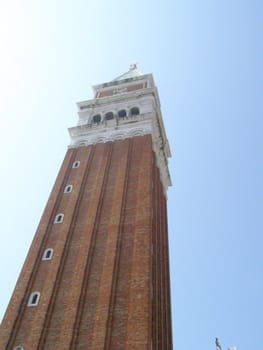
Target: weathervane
x,y
133,66
218,346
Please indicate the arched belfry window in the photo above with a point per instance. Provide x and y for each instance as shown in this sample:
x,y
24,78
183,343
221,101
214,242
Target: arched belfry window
x,y
48,253
96,118
34,299
59,218
135,111
122,113
109,116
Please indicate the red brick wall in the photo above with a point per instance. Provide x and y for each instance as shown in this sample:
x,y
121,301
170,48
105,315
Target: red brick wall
x,y
108,93
107,285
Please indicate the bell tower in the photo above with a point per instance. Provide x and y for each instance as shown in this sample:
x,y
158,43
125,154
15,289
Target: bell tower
x,y
97,273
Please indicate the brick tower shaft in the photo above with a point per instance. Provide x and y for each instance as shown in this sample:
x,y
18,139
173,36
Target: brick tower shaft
x,y
97,273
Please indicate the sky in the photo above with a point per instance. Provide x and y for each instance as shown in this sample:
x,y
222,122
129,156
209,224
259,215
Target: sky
x,y
206,58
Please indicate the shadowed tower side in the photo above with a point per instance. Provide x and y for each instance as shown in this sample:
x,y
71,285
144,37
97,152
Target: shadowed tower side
x,y
97,273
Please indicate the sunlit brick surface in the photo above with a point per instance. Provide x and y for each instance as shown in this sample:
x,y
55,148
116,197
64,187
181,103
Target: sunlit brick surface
x,y
107,284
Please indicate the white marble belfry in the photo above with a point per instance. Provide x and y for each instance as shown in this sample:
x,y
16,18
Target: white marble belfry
x,y
135,96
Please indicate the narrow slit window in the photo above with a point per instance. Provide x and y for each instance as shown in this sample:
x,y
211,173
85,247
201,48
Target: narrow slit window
x,y
34,299
59,218
68,189
48,253
76,164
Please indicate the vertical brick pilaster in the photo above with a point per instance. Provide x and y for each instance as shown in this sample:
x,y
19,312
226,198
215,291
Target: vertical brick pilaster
x,y
11,323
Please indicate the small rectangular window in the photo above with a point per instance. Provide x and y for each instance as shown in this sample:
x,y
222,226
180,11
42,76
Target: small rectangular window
x,y
34,299
48,253
59,218
76,164
68,189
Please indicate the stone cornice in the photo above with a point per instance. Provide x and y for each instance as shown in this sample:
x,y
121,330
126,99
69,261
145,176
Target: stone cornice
x,y
89,134
93,103
111,84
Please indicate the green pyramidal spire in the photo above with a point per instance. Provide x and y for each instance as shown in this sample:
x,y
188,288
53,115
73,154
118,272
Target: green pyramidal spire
x,y
133,72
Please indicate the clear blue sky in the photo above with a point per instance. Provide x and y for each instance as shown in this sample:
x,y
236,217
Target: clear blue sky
x,y
206,57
